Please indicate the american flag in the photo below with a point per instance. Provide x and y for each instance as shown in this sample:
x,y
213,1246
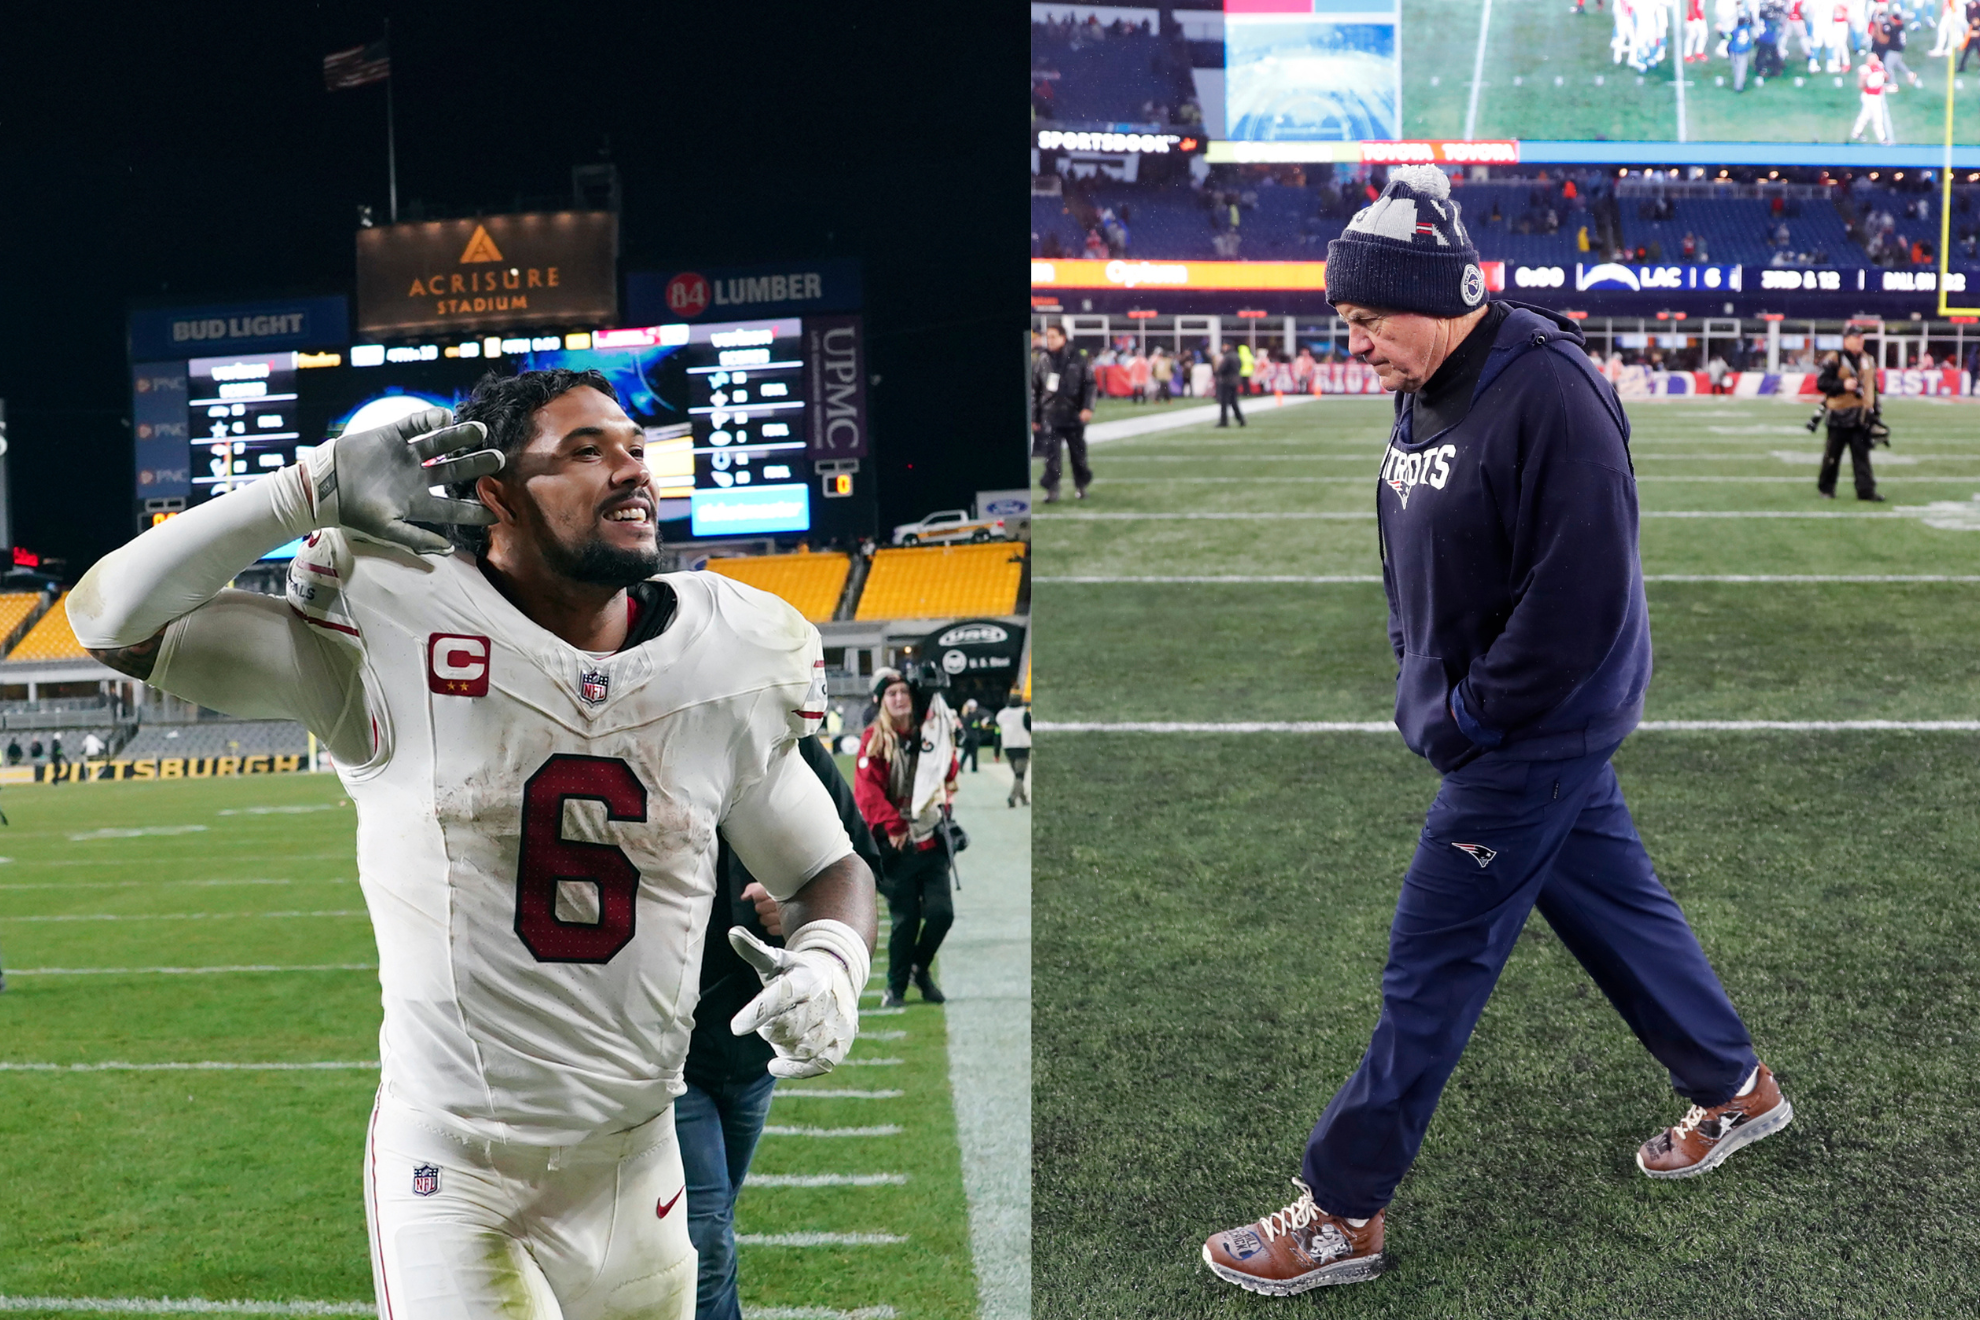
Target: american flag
x,y
357,66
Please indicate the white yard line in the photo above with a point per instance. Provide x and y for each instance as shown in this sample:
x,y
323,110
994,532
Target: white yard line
x,y
817,1093
883,1035
181,1306
147,832
208,1066
819,1239
881,1012
1477,73
149,884
186,971
826,1180
200,1306
187,916
1384,726
869,1063
879,1130
1373,579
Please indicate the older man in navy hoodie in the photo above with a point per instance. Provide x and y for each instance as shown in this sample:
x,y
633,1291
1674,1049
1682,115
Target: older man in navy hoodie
x,y
1507,512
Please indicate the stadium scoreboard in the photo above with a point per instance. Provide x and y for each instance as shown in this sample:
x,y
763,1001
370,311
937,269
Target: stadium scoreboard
x,y
725,409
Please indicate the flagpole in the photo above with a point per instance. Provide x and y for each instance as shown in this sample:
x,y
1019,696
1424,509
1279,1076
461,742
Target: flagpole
x,y
391,139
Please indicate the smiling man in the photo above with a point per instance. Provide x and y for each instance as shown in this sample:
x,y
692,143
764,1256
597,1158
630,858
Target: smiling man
x,y
545,740
1506,507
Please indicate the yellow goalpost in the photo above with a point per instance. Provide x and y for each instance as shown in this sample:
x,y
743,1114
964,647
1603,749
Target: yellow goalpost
x,y
1945,208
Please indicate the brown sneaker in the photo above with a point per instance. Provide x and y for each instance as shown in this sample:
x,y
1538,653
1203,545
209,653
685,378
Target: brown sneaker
x,y
1704,1137
1297,1248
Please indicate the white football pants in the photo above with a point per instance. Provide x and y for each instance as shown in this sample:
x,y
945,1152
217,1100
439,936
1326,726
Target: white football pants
x,y
466,1230
1873,115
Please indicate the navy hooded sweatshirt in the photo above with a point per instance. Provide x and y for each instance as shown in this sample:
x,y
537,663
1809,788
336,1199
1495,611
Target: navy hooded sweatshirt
x,y
1509,556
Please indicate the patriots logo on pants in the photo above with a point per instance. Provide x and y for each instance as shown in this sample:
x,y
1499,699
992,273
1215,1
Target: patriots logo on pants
x,y
1477,852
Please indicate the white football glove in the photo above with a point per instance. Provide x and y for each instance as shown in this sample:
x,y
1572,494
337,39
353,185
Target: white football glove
x,y
809,1008
376,482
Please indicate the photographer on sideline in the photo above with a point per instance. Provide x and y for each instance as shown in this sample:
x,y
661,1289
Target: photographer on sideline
x,y
1849,382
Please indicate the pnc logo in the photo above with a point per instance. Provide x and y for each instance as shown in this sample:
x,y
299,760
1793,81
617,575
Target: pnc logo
x,y
457,665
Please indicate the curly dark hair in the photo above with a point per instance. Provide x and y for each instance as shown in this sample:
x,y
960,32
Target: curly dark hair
x,y
507,406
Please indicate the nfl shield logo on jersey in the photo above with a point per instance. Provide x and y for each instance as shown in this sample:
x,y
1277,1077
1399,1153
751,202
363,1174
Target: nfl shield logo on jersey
x,y
593,684
426,1179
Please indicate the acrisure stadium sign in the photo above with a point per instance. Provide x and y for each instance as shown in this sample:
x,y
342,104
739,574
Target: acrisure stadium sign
x,y
554,268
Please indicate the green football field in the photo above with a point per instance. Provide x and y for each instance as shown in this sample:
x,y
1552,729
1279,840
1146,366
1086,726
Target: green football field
x,y
1213,908
1548,75
197,1133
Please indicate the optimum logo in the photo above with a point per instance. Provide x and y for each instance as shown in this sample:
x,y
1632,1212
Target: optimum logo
x,y
1404,472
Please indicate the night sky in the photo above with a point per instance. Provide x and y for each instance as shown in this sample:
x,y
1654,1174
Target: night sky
x,y
186,154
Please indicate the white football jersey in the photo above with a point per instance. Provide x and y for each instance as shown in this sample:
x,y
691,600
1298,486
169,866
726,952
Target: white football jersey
x,y
536,825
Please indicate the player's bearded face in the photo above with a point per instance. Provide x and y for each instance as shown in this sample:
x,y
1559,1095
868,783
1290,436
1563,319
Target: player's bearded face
x,y
1404,348
585,498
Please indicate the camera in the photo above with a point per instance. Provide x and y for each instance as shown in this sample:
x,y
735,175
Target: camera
x,y
1815,422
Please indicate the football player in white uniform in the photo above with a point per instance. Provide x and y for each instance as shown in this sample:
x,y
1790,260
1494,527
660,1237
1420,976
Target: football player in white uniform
x,y
543,739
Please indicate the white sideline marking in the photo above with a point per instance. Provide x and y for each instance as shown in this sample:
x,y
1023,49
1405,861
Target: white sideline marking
x,y
116,1066
879,1130
142,884
138,833
1128,427
818,1313
182,1306
816,1094
1365,579
186,971
1312,515
1322,578
881,1012
1379,726
819,1239
281,811
1477,74
826,1180
185,916
883,1035
869,1063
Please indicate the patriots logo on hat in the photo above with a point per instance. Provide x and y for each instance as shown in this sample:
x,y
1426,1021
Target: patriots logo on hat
x,y
594,685
1477,852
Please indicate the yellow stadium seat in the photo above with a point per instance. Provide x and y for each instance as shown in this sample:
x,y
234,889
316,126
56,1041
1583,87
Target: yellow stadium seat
x,y
51,637
943,581
15,606
812,584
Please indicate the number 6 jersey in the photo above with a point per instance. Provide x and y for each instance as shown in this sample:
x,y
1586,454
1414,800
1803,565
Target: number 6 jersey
x,y
536,824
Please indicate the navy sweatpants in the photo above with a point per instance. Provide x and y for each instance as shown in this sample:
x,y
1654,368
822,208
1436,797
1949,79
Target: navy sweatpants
x,y
1501,837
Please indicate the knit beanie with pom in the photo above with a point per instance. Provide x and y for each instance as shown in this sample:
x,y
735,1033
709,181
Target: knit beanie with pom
x,y
1407,251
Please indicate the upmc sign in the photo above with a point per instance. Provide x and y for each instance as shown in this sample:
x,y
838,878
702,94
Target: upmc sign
x,y
835,388
737,293
555,268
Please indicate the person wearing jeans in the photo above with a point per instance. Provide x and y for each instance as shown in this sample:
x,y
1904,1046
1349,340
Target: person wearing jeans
x,y
718,1121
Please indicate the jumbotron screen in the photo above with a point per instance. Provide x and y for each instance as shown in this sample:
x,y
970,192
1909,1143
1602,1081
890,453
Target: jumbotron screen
x,y
723,407
1623,82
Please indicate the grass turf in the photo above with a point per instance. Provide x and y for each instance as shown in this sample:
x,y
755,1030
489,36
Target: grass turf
x,y
1214,909
232,1185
